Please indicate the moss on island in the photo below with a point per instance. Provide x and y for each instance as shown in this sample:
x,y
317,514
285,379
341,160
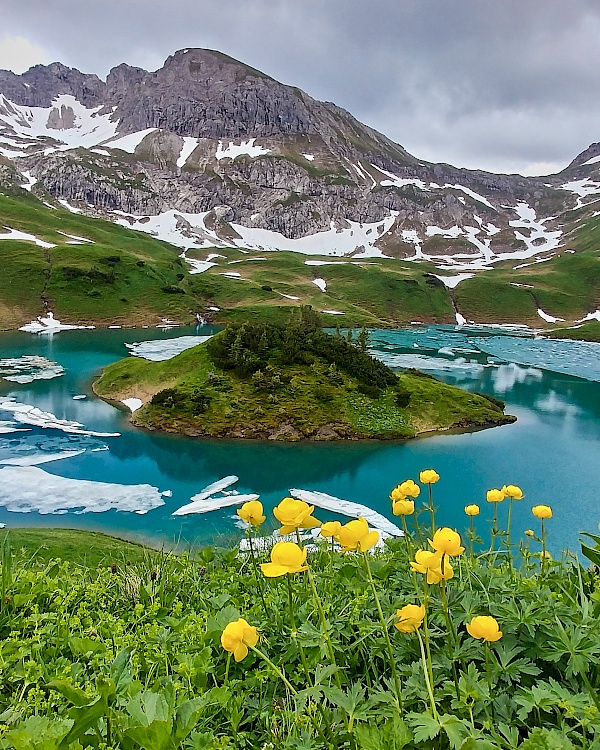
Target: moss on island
x,y
291,382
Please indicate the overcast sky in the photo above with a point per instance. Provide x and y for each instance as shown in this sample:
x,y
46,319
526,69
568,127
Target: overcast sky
x,y
508,85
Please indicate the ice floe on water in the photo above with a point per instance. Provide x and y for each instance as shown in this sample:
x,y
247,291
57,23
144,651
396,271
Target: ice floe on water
x,y
405,361
28,368
49,324
213,503
39,458
31,415
160,350
27,489
8,426
347,508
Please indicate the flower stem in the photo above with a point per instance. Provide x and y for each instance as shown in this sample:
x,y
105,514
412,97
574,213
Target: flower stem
x,y
452,640
543,547
426,675
226,679
386,634
487,666
275,669
258,578
431,510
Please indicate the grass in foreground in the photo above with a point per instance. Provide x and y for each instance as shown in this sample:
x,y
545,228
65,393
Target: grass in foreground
x,y
316,649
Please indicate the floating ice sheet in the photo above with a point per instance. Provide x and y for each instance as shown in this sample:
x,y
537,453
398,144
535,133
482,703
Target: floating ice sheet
x,y
28,414
28,368
26,489
49,324
347,508
39,458
160,350
213,503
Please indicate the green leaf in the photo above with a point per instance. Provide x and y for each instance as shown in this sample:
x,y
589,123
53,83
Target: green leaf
x,y
73,694
391,735
424,726
546,739
146,707
84,718
478,743
120,670
82,646
39,733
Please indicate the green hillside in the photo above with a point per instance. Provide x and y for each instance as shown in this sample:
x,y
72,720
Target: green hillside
x,y
126,277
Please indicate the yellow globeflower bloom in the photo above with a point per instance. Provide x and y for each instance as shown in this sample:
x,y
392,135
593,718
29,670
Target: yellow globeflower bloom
x,y
236,638
403,507
331,529
542,511
428,476
511,490
409,618
294,514
495,496
286,557
430,564
356,535
447,542
409,488
397,494
484,627
252,513
529,532
472,510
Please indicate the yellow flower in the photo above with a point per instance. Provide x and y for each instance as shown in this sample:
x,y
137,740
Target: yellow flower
x,y
252,513
430,563
511,490
447,542
542,511
236,638
495,496
286,557
409,618
429,476
484,627
331,529
472,510
529,532
403,507
407,489
356,535
294,514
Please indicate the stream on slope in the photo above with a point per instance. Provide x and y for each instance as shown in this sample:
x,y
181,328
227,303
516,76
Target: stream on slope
x,y
51,476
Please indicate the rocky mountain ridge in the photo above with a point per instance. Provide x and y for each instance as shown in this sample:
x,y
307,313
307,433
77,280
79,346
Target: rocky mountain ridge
x,y
207,152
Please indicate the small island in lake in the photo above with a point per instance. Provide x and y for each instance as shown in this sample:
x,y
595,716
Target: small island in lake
x,y
291,382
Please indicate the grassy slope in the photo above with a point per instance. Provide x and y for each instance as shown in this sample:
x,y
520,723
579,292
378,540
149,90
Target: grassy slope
x,y
586,332
88,548
79,281
311,401
82,286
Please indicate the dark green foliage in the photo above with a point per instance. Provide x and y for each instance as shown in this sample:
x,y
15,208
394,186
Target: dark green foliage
x,y
402,397
170,289
420,373
249,347
372,391
196,401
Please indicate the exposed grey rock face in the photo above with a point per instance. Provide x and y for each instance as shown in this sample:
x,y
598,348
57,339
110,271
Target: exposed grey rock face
x,y
314,165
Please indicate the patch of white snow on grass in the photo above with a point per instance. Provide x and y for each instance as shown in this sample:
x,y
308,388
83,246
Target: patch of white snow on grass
x,y
246,148
15,234
27,489
453,281
75,237
548,318
581,188
69,207
309,157
472,194
333,312
133,404
321,283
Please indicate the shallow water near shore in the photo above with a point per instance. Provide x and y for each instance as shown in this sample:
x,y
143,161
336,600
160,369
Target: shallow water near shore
x,y
552,451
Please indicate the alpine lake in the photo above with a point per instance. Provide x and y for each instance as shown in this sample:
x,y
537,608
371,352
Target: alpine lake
x,y
552,452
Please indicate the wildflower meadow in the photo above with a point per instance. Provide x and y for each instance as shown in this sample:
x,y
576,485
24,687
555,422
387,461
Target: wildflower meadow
x,y
322,637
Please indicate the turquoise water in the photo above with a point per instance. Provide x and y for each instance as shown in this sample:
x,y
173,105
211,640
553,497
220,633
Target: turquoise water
x,y
552,451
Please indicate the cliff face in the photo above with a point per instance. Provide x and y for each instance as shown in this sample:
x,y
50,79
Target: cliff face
x,y
238,152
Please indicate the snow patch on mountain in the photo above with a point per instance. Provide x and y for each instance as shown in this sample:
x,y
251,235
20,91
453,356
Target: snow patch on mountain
x,y
189,144
129,142
15,234
246,148
581,188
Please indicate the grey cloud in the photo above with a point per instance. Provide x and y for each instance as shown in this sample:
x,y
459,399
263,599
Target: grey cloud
x,y
497,85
